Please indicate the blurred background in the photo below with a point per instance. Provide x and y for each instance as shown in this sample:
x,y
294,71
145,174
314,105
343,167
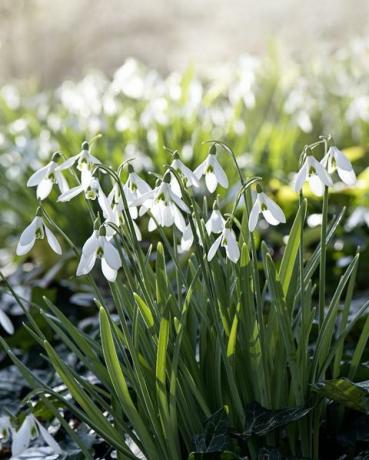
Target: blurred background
x,y
49,41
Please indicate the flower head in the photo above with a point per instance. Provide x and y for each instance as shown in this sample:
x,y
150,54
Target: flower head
x,y
216,222
9,328
89,186
31,429
44,179
227,239
213,172
37,230
85,161
271,212
165,206
98,246
315,173
335,160
189,177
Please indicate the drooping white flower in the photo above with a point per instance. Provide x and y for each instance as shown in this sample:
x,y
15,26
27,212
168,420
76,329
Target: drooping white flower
x,y
44,179
9,328
359,216
227,239
216,222
188,239
85,161
37,230
98,246
189,177
31,429
335,160
89,186
271,212
213,172
314,172
165,206
5,428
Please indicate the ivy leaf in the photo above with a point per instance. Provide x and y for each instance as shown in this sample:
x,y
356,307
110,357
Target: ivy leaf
x,y
215,438
350,394
260,421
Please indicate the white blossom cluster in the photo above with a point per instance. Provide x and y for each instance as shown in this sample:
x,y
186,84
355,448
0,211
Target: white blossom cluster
x,y
164,203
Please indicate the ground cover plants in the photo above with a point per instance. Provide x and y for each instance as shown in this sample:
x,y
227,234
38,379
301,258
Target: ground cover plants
x,y
211,341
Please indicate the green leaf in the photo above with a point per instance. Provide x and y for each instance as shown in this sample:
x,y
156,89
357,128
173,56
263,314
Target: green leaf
x,y
260,421
344,391
290,253
215,438
145,310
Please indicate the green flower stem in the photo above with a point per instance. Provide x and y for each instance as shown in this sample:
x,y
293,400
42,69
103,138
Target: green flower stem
x,y
323,256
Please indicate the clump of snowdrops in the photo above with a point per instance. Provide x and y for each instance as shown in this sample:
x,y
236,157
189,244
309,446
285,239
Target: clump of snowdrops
x,y
204,332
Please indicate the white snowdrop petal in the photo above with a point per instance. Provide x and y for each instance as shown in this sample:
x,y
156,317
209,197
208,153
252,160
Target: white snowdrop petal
x,y
62,182
109,273
50,441
24,249
86,264
53,242
275,210
254,216
44,188
37,176
300,178
323,174
22,438
348,177
68,195
174,185
167,217
142,186
111,255
6,323
137,231
219,172
67,163
213,249
342,161
215,224
269,217
211,181
199,171
86,178
232,248
28,233
178,219
151,225
316,185
179,202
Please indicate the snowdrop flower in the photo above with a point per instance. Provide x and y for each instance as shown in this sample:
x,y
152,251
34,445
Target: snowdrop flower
x,y
98,246
227,240
85,161
358,217
46,177
190,178
5,428
37,230
271,212
9,328
133,189
335,160
213,172
188,238
165,206
315,173
216,222
89,186
31,429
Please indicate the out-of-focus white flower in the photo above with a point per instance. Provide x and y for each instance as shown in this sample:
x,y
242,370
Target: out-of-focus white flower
x,y
227,239
216,222
9,328
189,177
46,177
188,238
89,186
335,160
213,172
271,212
36,230
98,246
165,206
315,173
31,429
133,189
358,217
